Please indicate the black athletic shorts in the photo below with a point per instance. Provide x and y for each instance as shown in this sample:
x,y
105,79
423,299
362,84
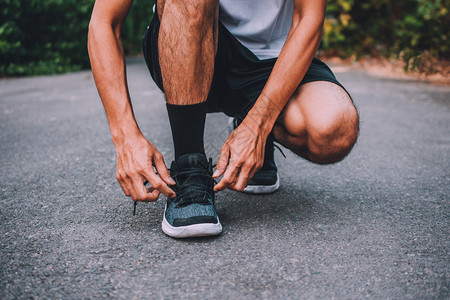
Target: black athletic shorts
x,y
239,76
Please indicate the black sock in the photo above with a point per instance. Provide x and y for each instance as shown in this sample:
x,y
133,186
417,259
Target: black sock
x,y
188,124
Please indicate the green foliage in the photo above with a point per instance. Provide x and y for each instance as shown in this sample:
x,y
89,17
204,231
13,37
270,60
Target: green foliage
x,y
50,36
410,30
138,19
39,37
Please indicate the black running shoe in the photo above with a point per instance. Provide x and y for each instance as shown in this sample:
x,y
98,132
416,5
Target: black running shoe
x,y
192,212
266,180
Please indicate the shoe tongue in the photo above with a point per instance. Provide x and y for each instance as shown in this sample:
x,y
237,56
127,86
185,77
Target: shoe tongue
x,y
195,160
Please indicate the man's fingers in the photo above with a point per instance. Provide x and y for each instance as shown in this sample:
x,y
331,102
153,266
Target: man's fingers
x,y
159,185
162,170
243,179
228,178
222,162
140,191
154,194
134,194
150,189
124,187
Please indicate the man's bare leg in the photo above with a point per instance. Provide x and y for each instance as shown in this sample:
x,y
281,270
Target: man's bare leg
x,y
187,47
187,44
319,123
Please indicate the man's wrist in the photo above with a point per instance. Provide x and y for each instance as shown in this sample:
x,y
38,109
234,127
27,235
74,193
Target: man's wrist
x,y
255,122
119,133
263,115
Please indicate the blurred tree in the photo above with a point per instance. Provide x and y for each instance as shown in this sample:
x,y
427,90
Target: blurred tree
x,y
41,37
138,19
407,29
49,36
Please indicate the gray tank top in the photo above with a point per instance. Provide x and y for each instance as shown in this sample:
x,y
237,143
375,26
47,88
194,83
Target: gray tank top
x,y
260,25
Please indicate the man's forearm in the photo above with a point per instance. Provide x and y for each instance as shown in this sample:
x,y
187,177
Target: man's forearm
x,y
108,67
289,70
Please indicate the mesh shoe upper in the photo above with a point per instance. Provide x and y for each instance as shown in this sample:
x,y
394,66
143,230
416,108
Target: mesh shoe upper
x,y
194,203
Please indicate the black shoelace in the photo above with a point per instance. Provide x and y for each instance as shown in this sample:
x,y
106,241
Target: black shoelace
x,y
279,149
190,189
193,186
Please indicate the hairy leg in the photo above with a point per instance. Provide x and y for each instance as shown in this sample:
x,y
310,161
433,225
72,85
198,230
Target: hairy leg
x,y
187,46
319,123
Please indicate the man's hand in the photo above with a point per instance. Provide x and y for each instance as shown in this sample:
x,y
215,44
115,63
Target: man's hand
x,y
136,158
240,157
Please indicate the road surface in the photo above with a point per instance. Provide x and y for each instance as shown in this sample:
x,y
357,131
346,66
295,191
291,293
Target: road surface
x,y
373,226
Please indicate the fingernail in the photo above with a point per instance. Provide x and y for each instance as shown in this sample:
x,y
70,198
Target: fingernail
x,y
216,173
171,180
173,196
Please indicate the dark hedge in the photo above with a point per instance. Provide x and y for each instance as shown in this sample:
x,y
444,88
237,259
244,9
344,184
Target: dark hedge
x,y
49,36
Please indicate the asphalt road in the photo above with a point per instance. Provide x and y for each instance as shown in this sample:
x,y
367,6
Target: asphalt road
x,y
373,226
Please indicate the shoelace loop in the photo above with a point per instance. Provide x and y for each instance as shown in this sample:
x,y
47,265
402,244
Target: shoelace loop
x,y
193,186
279,149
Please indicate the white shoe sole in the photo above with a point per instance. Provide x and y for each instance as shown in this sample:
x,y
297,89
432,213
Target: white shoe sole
x,y
263,189
195,230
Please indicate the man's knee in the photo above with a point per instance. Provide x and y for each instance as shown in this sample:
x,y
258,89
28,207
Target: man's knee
x,y
332,138
319,123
